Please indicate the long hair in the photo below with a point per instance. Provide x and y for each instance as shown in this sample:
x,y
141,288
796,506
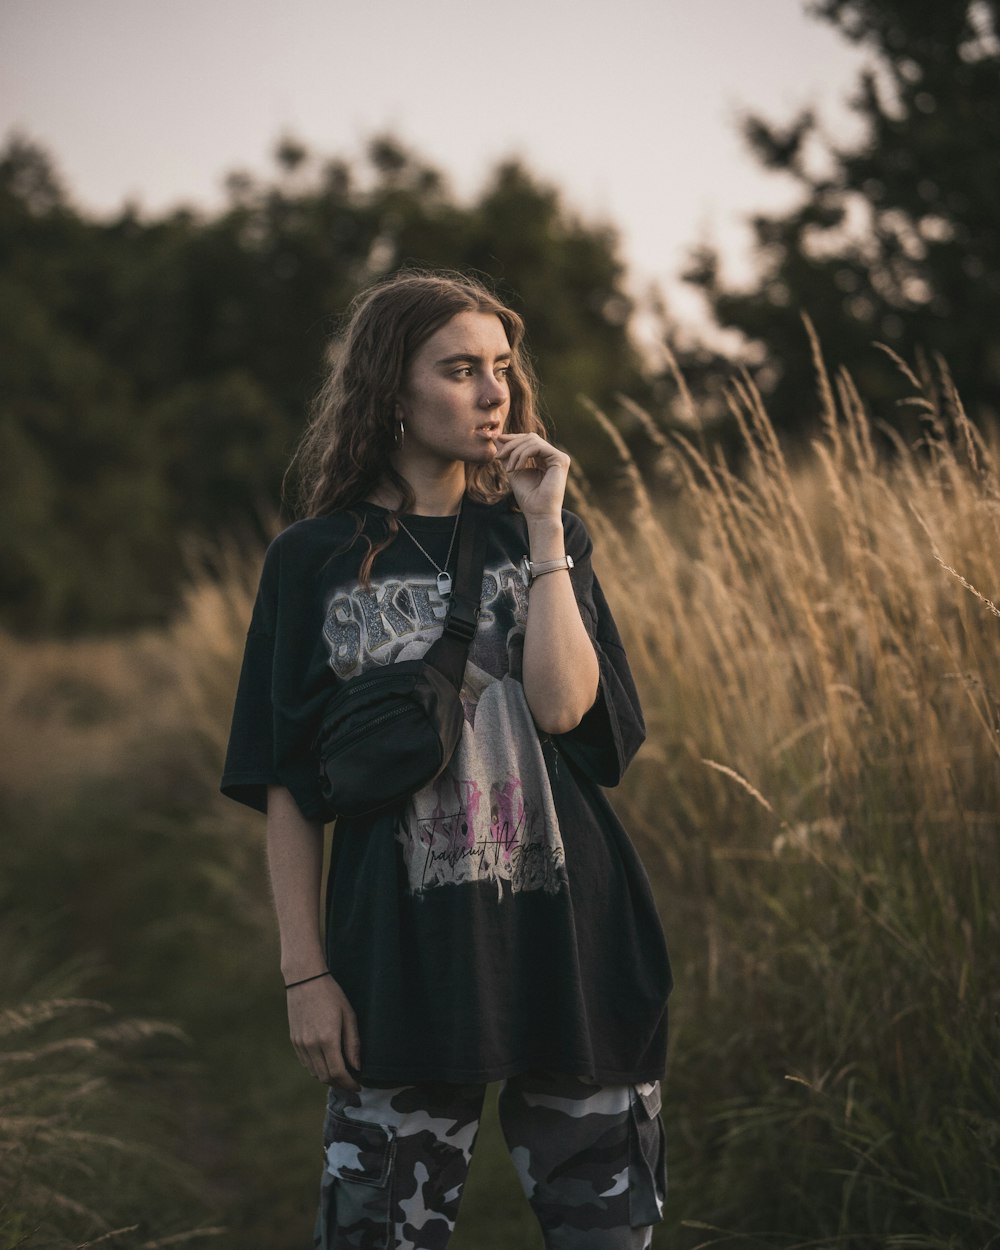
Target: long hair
x,y
346,449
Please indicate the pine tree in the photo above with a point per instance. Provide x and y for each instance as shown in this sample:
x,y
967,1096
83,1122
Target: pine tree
x,y
896,237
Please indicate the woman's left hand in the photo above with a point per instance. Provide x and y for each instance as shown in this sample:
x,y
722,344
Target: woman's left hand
x,y
537,471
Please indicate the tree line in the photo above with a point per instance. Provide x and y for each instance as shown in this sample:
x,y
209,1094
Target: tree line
x,y
155,371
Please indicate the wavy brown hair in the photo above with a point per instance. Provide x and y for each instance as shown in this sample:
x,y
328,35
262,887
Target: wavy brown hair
x,y
345,452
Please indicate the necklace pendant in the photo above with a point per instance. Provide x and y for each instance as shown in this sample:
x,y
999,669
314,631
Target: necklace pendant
x,y
444,584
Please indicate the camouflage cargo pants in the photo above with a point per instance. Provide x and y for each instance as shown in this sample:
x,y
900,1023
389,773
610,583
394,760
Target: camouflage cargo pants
x,y
591,1159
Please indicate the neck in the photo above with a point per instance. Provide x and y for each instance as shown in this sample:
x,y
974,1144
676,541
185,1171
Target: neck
x,y
438,490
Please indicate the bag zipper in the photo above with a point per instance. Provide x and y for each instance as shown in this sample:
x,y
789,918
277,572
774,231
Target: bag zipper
x,y
364,685
369,725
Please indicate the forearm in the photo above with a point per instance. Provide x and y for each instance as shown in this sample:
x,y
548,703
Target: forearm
x,y
559,670
295,862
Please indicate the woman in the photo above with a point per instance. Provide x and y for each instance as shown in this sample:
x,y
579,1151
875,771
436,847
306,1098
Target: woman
x,y
498,925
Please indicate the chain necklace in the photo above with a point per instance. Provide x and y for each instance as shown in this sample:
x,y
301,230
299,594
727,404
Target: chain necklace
x,y
443,576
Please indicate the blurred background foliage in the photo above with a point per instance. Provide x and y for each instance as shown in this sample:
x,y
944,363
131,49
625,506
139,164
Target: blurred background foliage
x,y
895,238
155,372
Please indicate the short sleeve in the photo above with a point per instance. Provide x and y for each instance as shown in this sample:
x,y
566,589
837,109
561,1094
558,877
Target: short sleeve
x,y
271,731
606,740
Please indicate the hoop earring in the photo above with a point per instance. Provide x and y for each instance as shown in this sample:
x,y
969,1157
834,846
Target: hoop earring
x,y
398,440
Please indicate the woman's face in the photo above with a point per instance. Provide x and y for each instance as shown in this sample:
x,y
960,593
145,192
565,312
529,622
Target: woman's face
x,y
455,398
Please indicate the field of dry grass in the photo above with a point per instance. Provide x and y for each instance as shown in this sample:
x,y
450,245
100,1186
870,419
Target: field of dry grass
x,y
818,805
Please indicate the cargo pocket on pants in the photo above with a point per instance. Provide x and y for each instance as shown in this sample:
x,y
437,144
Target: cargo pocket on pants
x,y
647,1173
355,1208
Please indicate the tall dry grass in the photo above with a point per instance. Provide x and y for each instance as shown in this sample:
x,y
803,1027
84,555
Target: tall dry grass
x,y
817,646
82,1154
128,886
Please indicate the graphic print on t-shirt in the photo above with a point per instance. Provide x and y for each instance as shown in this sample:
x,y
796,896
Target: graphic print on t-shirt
x,y
490,816
373,625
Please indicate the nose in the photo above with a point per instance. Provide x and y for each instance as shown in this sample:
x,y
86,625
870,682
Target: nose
x,y
494,392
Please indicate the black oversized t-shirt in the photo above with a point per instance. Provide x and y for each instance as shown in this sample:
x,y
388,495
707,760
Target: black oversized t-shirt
x,y
500,920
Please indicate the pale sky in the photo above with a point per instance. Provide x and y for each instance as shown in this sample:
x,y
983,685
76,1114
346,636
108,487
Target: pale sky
x,y
629,106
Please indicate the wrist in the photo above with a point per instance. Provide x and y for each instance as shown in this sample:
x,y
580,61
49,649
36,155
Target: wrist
x,y
531,570
316,976
546,540
303,964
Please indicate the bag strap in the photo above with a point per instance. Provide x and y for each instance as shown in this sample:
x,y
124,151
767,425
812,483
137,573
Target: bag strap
x,y
449,653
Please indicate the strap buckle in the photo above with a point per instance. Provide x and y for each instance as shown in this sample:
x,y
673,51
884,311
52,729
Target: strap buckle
x,y
462,619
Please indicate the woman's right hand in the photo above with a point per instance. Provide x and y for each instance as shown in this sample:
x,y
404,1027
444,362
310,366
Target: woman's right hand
x,y
324,1031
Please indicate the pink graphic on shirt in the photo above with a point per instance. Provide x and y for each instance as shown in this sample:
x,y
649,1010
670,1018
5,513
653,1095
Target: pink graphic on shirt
x,y
490,816
508,813
456,809
472,798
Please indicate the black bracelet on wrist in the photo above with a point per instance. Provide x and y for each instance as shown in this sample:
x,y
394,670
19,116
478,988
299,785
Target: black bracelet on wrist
x,y
292,984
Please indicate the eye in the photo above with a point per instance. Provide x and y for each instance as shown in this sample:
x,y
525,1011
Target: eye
x,y
462,371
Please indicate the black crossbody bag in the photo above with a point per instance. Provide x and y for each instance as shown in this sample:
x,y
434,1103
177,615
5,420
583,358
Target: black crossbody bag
x,y
389,732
